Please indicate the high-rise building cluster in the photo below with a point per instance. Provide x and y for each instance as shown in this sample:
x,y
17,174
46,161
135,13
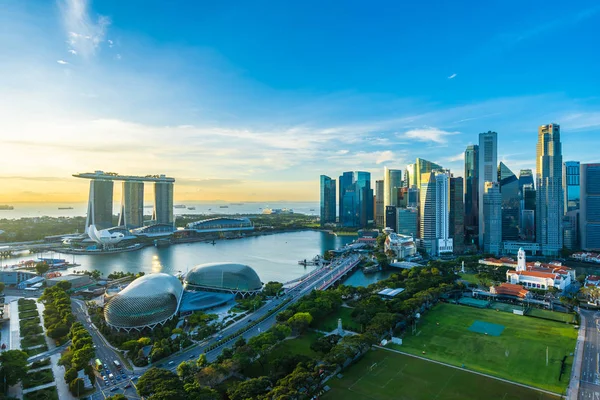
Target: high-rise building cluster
x,y
489,209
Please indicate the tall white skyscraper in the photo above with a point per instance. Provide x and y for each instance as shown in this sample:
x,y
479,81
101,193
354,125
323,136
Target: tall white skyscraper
x,y
435,212
492,218
549,194
488,170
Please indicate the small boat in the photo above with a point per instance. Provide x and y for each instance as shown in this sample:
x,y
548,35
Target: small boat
x,y
65,208
312,209
179,206
191,208
223,206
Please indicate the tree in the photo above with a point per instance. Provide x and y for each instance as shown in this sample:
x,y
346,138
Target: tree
x,y
64,285
157,380
272,288
324,344
70,375
76,387
117,397
58,331
201,361
194,391
13,366
41,268
2,286
186,370
300,321
250,389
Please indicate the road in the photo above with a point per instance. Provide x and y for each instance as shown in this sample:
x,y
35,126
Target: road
x,y
590,375
107,355
315,279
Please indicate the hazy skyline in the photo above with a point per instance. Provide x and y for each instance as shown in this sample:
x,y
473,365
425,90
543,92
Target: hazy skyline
x,y
254,101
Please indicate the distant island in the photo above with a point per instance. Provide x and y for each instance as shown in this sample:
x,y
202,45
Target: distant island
x,y
6,207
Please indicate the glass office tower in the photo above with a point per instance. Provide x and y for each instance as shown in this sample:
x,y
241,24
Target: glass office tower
x,y
328,187
509,189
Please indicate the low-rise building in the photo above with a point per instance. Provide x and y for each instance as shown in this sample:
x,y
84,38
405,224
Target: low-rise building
x,y
592,280
540,276
76,281
510,290
15,277
402,246
31,282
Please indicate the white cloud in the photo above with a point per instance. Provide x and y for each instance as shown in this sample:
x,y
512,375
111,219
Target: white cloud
x,y
458,157
384,156
74,52
110,43
62,62
84,32
452,76
428,134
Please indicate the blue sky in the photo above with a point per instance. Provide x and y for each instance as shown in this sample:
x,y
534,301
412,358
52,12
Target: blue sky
x,y
246,101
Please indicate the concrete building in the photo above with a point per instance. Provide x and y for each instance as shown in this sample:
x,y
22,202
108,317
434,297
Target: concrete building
x,y
457,215
418,169
132,205
549,190
379,204
76,281
328,196
100,204
491,229
10,278
590,207
488,166
471,182
435,213
163,203
407,221
402,246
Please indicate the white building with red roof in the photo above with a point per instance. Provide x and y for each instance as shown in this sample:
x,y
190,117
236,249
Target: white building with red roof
x,y
540,276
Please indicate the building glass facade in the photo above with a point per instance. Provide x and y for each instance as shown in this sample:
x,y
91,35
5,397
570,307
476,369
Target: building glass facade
x,y
509,188
488,166
457,214
379,207
471,193
492,223
590,207
328,198
407,221
549,190
356,199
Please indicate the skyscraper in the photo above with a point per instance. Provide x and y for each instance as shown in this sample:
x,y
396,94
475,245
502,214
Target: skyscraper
x,y
132,205
525,178
509,188
407,221
379,207
392,182
527,224
488,165
491,231
390,217
435,213
328,187
420,167
571,185
457,215
100,204
347,200
471,193
571,191
590,207
356,199
549,191
163,203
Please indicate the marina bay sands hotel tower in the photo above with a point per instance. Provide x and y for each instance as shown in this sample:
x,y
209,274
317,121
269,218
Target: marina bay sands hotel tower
x,y
100,203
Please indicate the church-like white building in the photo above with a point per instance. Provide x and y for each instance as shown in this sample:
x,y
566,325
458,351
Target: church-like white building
x,y
540,276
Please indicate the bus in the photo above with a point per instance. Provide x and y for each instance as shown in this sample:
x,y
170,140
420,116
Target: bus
x,y
98,364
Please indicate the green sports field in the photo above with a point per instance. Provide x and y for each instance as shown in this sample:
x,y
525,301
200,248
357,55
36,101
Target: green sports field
x,y
518,354
383,375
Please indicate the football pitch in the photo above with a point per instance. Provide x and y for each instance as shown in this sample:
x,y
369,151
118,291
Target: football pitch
x,y
518,353
383,375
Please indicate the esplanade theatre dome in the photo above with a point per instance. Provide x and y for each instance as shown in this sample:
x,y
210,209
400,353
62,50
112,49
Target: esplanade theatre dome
x,y
145,303
226,276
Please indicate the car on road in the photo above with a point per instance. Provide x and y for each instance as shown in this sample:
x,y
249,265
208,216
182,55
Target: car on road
x,y
134,378
114,389
118,377
191,356
127,386
124,376
171,362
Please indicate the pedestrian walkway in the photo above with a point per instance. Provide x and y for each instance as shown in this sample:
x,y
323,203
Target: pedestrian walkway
x,y
573,390
15,338
35,389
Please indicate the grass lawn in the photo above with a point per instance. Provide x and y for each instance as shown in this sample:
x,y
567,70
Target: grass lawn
x,y
30,341
518,354
471,278
42,394
399,377
554,315
330,322
28,314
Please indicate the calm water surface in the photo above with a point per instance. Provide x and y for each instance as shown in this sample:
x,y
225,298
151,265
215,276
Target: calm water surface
x,y
273,257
